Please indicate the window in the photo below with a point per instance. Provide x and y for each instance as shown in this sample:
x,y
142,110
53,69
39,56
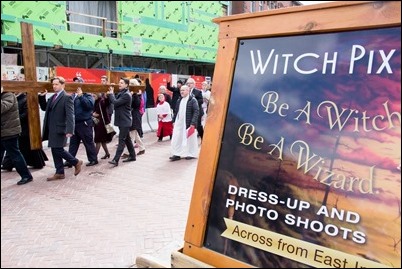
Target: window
x,y
92,17
226,8
260,5
252,6
272,4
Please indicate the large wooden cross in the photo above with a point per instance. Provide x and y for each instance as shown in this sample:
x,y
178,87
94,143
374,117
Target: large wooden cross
x,y
32,87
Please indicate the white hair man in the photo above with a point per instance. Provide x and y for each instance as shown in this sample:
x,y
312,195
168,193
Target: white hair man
x,y
184,138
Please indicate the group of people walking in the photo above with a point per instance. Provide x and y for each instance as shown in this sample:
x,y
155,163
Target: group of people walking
x,y
189,106
72,117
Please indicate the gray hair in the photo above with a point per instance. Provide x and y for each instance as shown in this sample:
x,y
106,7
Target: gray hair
x,y
134,82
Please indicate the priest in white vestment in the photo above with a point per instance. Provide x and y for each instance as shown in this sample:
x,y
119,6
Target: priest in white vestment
x,y
184,140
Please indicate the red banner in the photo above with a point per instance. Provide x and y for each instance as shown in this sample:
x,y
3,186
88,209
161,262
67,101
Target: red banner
x,y
88,75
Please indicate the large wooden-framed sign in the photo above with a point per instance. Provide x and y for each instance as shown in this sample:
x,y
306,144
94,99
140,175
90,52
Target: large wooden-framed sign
x,y
300,161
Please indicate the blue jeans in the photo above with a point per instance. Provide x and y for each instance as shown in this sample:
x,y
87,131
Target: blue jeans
x,y
10,144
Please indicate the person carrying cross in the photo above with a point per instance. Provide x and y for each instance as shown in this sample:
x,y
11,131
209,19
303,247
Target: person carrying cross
x,y
58,125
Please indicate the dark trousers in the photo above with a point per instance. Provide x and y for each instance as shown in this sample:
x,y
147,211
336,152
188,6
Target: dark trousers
x,y
58,155
124,140
200,129
11,146
83,132
33,157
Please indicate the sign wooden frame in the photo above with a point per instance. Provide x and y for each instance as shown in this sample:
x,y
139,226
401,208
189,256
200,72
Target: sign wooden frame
x,y
323,18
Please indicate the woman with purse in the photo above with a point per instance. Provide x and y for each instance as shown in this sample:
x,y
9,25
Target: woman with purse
x,y
102,137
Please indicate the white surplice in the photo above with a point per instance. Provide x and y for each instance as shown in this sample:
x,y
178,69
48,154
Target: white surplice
x,y
181,145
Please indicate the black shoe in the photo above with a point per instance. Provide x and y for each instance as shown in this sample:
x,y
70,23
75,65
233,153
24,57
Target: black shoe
x,y
9,169
67,164
106,156
92,163
189,158
129,159
141,152
37,167
24,181
115,163
175,158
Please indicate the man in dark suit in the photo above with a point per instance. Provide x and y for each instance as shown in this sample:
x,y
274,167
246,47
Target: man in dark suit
x,y
123,120
176,92
198,95
58,125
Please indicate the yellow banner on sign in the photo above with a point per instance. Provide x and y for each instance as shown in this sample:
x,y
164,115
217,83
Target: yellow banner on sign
x,y
294,249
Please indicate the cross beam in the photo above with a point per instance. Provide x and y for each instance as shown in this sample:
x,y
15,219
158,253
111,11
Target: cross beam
x,y
40,86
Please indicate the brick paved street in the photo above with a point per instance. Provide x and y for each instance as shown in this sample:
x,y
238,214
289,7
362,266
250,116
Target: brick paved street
x,y
104,217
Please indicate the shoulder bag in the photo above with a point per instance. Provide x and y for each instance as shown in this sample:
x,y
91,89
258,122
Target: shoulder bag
x,y
109,127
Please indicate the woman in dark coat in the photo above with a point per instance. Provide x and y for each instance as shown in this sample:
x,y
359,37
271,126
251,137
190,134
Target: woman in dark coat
x,y
136,126
150,94
100,112
35,158
136,114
